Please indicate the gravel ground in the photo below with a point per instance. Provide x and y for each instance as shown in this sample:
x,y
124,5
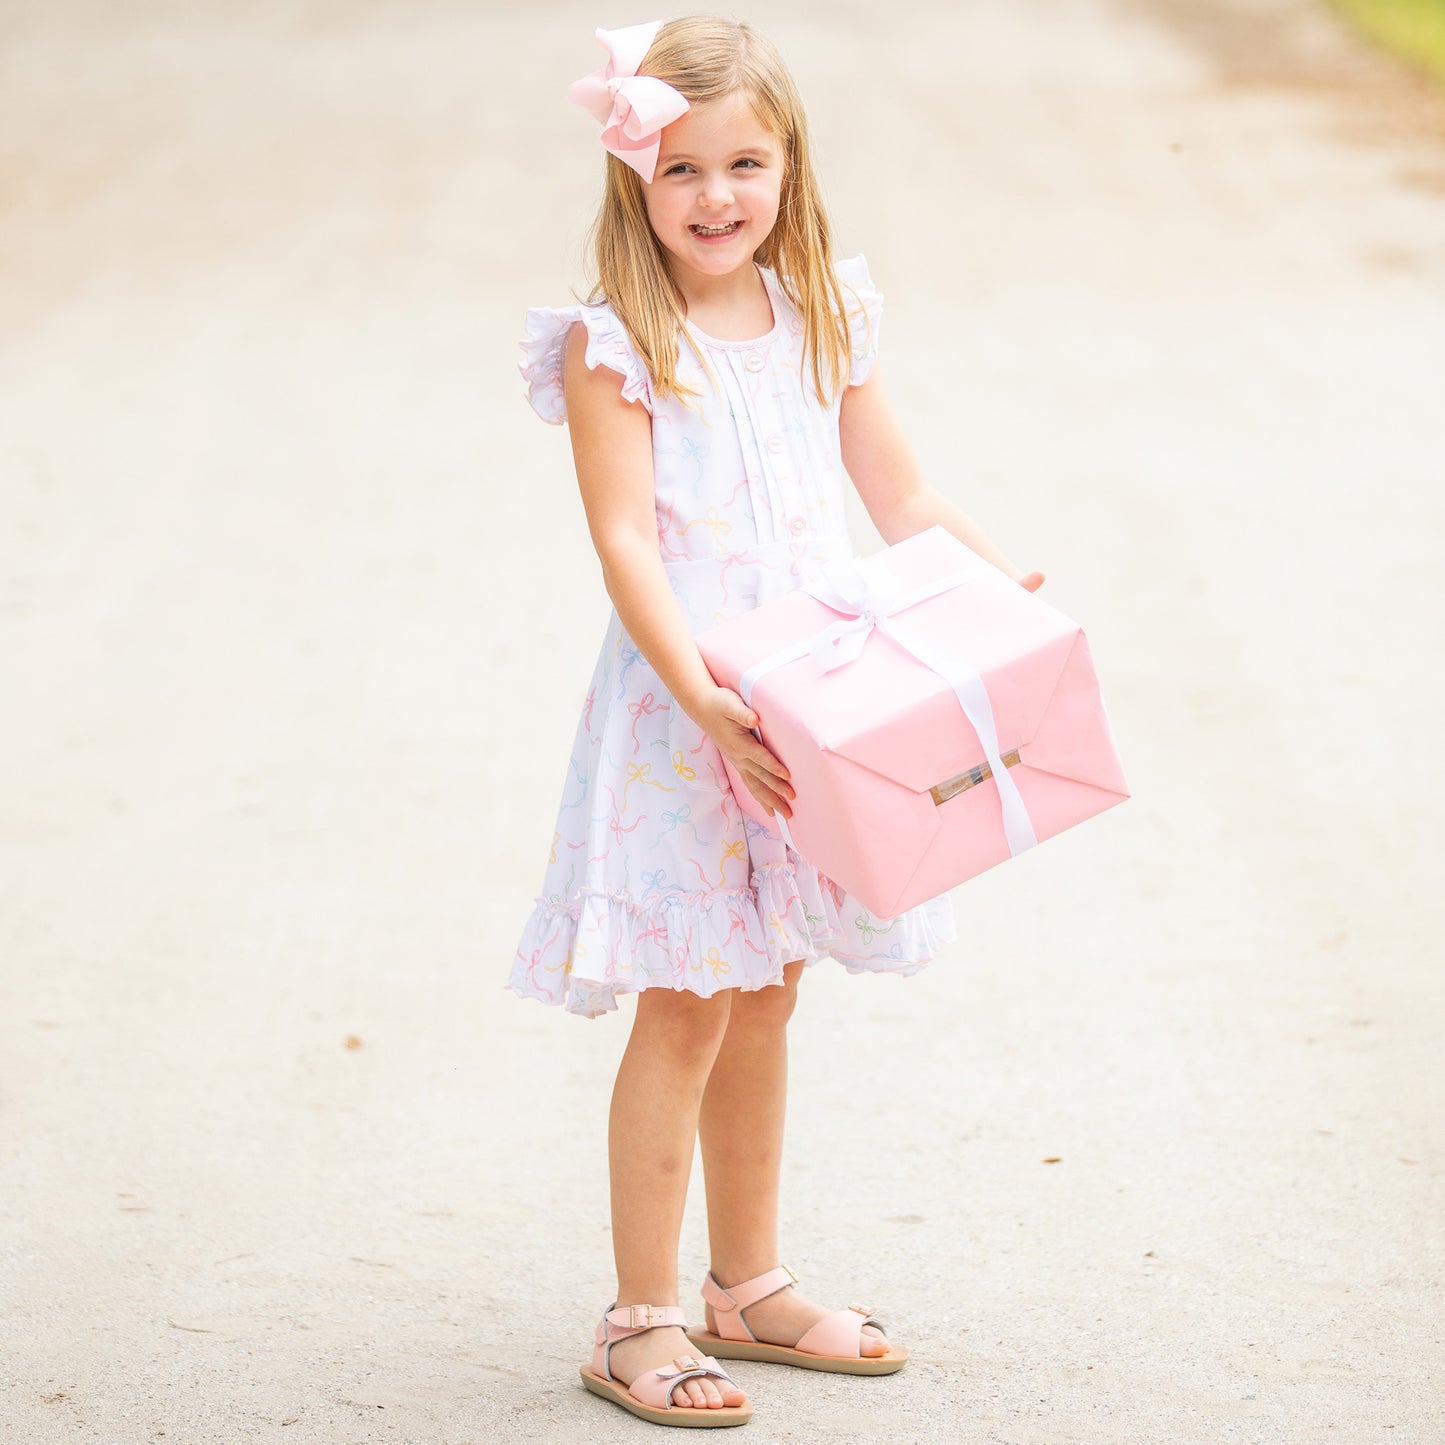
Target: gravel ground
x,y
291,671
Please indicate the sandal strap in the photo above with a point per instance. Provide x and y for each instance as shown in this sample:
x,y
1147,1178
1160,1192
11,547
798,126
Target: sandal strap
x,y
617,1324
839,1333
644,1317
730,1303
655,1387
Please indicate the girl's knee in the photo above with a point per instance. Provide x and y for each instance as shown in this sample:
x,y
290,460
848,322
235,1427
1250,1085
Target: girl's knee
x,y
682,1019
770,1006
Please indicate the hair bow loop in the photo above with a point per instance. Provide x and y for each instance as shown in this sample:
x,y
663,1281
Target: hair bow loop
x,y
631,108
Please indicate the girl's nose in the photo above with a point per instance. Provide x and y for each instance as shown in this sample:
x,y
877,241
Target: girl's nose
x,y
716,192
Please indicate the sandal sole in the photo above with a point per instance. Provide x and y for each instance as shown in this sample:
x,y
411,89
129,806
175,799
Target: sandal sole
x,y
687,1417
723,1349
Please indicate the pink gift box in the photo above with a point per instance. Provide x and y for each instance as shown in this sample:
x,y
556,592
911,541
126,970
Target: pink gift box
x,y
897,690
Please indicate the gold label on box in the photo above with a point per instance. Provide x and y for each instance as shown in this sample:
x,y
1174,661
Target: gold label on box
x,y
942,792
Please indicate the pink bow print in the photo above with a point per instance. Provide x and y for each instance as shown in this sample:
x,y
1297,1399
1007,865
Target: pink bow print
x,y
633,108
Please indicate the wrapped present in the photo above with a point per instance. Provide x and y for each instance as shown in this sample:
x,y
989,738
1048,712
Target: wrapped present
x,y
935,717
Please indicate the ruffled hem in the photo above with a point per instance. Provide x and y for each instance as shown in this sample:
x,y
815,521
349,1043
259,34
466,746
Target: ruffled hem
x,y
544,351
865,313
583,952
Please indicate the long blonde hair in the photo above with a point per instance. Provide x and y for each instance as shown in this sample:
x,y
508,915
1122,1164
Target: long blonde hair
x,y
706,58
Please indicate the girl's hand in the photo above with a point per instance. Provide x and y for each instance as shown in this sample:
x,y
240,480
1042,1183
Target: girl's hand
x,y
1032,582
729,721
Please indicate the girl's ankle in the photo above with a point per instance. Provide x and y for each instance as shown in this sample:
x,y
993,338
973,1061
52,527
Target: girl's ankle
x,y
731,1277
659,1299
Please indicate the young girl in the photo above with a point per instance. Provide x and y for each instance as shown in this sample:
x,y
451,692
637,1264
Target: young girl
x,y
717,387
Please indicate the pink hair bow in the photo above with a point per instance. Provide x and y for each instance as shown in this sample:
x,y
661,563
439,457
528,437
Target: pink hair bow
x,y
633,108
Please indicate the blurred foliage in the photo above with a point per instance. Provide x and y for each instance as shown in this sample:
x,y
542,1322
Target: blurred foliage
x,y
1413,29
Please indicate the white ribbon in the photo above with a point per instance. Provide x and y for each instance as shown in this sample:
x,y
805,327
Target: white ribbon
x,y
869,596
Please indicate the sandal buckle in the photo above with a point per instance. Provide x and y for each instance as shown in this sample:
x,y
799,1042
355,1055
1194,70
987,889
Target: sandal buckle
x,y
791,1275
632,1319
862,1309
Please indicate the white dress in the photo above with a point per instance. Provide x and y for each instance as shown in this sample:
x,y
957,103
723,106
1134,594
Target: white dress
x,y
655,877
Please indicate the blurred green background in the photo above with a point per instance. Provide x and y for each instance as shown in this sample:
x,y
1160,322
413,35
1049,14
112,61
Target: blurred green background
x,y
1413,29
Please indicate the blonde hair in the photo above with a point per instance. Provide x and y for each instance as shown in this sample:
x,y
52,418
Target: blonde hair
x,y
706,58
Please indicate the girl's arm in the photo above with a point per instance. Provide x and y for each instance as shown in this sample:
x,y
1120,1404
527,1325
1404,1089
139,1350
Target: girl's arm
x,y
884,470
612,448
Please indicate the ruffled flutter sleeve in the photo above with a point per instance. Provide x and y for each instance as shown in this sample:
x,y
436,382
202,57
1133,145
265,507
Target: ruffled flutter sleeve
x,y
544,349
864,304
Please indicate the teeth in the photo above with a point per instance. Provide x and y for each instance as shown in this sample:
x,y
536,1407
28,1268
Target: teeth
x,y
716,230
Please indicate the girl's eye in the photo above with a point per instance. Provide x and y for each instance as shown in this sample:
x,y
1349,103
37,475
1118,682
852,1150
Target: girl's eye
x,y
676,170
749,161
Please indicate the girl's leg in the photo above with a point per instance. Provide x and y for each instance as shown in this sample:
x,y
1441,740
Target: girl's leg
x,y
741,1126
651,1135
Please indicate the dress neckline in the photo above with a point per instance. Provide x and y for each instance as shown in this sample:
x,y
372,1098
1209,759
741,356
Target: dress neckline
x,y
770,285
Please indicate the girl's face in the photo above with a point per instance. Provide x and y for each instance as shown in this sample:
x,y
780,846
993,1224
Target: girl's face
x,y
715,194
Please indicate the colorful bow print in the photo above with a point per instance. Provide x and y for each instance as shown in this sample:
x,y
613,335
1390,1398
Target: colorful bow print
x,y
645,706
642,773
632,108
868,928
630,658
736,849
672,818
714,521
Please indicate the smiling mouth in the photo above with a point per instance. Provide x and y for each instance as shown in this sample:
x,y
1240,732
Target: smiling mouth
x,y
723,230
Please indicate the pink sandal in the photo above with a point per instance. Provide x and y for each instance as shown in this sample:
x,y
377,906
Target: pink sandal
x,y
834,1343
649,1396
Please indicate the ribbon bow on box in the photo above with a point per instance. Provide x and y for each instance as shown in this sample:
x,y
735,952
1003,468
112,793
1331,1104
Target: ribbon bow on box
x,y
870,597
632,108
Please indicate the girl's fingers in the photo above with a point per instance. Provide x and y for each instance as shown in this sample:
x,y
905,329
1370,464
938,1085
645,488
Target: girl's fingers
x,y
761,770
747,754
781,786
760,760
736,710
767,797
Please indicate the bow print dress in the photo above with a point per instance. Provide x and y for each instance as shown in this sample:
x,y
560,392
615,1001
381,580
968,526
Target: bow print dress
x,y
655,877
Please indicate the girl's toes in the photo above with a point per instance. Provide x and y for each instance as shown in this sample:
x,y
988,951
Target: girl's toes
x,y
732,1397
872,1342
689,1393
